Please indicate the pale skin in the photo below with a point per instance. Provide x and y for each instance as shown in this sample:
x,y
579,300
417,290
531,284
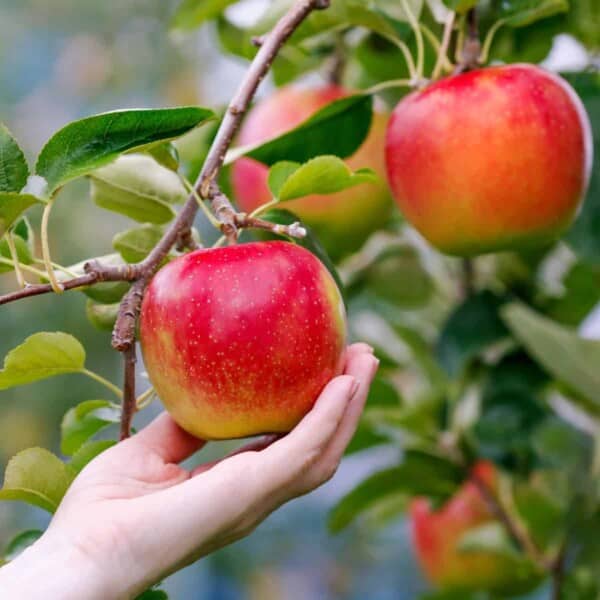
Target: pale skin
x,y
134,516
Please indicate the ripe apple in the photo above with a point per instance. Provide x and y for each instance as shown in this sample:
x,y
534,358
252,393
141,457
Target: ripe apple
x,y
342,221
494,159
240,340
437,534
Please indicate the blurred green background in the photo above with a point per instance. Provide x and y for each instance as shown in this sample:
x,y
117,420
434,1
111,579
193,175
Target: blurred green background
x,y
64,59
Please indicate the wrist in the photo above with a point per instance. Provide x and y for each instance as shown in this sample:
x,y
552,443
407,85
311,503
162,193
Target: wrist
x,y
51,568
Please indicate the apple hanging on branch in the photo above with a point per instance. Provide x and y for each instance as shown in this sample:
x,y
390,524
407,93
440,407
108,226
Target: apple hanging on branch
x,y
240,341
489,160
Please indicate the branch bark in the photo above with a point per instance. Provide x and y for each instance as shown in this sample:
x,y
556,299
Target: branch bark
x,y
128,405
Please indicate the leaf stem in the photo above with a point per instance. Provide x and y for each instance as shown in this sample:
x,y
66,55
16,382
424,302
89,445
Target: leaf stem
x,y
389,84
58,267
410,63
105,382
26,268
435,44
56,286
418,37
10,240
442,58
489,39
264,207
201,204
145,398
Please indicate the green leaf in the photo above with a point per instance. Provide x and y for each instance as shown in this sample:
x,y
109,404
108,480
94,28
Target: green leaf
x,y
310,241
460,6
13,166
192,13
469,330
165,154
279,173
85,420
420,474
560,445
518,13
40,356
490,538
323,175
398,276
569,358
138,187
12,206
398,10
37,477
102,316
86,453
585,234
88,144
22,246
21,542
153,595
339,128
135,244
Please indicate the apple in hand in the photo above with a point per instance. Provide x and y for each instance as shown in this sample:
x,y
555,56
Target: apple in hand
x,y
437,535
344,220
241,340
493,159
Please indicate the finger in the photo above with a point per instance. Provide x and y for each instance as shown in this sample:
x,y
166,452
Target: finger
x,y
254,446
363,368
357,349
292,455
164,437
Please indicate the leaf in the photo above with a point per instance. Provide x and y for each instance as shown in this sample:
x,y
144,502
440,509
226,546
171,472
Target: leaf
x,y
85,420
88,144
21,542
165,154
585,234
339,128
40,356
471,328
310,241
518,13
569,358
398,276
135,244
86,453
138,187
24,252
398,10
279,173
153,595
192,13
102,316
323,175
13,166
490,538
460,6
12,206
420,474
37,477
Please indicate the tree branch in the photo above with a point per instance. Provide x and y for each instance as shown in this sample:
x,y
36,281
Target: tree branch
x,y
471,50
128,405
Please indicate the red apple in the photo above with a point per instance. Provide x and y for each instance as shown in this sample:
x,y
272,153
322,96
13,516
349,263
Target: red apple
x,y
494,159
240,340
437,534
342,221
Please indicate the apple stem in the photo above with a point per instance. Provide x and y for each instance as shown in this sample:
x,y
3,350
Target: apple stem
x,y
471,48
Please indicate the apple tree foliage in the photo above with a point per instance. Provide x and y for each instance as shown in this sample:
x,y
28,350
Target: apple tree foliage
x,y
484,360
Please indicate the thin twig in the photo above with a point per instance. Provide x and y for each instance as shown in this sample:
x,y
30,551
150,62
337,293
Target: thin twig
x,y
123,337
128,405
518,533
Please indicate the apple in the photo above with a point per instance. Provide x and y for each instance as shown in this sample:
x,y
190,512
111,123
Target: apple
x,y
493,159
239,341
342,221
437,534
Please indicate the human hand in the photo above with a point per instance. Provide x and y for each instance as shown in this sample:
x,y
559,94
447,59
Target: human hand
x,y
133,515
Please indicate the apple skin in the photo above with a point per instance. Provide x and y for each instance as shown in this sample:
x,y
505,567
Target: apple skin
x,y
437,533
342,221
241,340
490,160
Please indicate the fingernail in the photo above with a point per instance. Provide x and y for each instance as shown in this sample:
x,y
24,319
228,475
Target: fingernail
x,y
354,388
370,348
375,366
